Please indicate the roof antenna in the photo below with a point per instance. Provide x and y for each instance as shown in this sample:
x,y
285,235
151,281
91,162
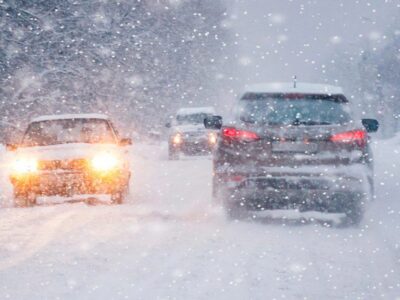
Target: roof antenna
x,y
294,81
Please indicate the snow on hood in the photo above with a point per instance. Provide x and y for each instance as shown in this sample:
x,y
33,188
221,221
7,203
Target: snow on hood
x,y
69,116
66,151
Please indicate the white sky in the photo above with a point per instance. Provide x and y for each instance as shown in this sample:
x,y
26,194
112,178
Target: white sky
x,y
280,38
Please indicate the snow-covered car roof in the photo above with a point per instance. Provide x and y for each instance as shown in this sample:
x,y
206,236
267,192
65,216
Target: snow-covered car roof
x,y
288,87
195,110
69,116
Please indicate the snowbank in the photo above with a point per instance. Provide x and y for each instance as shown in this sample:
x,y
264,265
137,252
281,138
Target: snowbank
x,y
170,242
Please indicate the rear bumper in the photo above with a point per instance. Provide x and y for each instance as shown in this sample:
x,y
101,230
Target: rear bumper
x,y
304,200
70,183
320,189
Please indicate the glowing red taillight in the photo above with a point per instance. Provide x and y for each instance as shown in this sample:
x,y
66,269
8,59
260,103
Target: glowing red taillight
x,y
236,178
358,137
236,134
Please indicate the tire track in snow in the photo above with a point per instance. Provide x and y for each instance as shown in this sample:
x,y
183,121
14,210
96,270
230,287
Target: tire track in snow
x,y
39,239
35,234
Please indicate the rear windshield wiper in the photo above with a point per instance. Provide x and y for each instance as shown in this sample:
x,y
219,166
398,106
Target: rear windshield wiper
x,y
296,123
310,123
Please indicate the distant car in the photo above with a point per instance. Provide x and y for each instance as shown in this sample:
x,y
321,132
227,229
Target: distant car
x,y
70,155
293,147
188,134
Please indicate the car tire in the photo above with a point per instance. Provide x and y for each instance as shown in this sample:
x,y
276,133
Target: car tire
x,y
120,196
354,211
236,212
371,185
173,154
216,191
117,198
26,200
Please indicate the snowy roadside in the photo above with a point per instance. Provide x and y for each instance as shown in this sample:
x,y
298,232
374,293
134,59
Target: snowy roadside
x,y
5,185
168,242
383,215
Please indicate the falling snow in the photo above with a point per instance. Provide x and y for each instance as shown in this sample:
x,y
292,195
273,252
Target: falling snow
x,y
142,63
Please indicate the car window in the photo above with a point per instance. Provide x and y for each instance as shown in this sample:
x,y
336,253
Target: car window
x,y
297,110
191,118
68,131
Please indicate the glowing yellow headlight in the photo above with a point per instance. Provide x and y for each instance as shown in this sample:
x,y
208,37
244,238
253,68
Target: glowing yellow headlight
x,y
177,138
24,166
212,138
104,162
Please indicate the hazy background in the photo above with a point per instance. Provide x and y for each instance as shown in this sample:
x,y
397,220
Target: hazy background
x,y
280,38
139,61
352,43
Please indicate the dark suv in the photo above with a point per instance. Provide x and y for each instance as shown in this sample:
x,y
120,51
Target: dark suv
x,y
293,147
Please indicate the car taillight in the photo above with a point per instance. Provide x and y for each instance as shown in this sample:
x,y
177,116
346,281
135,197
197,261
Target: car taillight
x,y
358,137
236,134
236,178
233,181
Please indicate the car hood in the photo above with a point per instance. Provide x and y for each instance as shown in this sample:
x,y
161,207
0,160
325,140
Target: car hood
x,y
67,151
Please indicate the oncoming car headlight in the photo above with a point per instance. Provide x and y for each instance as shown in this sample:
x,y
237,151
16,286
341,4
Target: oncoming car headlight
x,y
177,139
22,166
212,138
104,162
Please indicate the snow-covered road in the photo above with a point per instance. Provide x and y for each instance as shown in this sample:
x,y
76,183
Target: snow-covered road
x,y
169,242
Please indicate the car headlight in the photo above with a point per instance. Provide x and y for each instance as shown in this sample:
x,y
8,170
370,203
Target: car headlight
x,y
177,139
212,138
22,166
104,162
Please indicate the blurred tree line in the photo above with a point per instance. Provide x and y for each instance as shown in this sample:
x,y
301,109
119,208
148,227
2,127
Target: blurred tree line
x,y
371,75
137,60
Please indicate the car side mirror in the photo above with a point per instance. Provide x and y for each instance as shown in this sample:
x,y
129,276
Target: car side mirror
x,y
125,142
371,125
214,122
168,125
11,147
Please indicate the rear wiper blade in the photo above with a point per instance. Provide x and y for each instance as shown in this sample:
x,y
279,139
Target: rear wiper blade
x,y
276,123
298,122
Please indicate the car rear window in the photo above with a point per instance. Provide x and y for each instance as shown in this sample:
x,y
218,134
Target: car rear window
x,y
292,109
197,118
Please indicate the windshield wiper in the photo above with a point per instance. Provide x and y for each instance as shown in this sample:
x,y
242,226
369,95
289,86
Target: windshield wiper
x,y
299,122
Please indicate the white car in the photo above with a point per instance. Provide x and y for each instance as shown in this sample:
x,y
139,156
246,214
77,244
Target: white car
x,y
70,155
188,134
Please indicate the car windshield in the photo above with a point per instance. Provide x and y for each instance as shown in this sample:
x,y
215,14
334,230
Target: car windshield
x,y
299,110
67,131
197,118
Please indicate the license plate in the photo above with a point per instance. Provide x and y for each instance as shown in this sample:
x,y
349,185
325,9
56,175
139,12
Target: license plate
x,y
295,147
61,179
